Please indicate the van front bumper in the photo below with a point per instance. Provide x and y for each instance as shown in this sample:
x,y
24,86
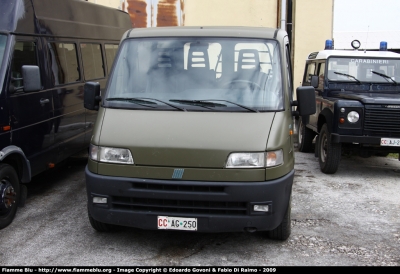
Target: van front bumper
x,y
218,206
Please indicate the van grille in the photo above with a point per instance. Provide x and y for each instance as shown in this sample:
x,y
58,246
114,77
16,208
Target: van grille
x,y
193,188
179,206
382,121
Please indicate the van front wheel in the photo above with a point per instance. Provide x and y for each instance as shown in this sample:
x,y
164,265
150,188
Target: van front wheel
x,y
99,226
282,232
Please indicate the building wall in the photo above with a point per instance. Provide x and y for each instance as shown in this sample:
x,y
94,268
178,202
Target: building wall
x,y
312,19
312,25
108,3
263,13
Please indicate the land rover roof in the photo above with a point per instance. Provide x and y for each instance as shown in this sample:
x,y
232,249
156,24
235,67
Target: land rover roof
x,y
215,31
325,54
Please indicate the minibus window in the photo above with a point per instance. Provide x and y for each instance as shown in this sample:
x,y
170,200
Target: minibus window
x,y
3,40
111,51
64,63
92,61
24,54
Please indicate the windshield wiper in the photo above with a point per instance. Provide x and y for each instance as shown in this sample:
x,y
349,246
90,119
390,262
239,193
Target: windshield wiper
x,y
198,103
236,104
385,76
143,101
348,75
207,103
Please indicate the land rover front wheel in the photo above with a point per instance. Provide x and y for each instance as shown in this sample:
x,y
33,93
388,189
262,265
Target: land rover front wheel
x,y
9,194
328,153
305,137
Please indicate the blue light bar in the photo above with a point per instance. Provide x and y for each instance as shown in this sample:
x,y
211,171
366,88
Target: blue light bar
x,y
383,46
328,44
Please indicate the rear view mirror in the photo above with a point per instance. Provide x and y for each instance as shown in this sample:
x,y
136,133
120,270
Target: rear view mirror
x,y
31,78
92,96
305,101
314,81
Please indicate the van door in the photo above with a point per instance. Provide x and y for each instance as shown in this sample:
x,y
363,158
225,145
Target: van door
x,y
31,112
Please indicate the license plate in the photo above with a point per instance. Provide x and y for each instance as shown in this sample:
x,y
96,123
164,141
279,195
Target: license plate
x,y
165,222
389,142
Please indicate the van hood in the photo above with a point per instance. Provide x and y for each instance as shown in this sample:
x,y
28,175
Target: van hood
x,y
184,139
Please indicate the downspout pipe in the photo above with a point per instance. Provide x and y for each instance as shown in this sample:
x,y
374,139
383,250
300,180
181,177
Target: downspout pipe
x,y
283,14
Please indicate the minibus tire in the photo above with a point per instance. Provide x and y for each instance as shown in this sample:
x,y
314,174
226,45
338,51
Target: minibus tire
x,y
9,181
99,226
282,232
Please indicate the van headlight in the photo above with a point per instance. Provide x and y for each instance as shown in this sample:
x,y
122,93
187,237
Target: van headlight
x,y
255,159
110,155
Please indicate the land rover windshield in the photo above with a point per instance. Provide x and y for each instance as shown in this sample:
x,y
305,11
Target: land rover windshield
x,y
197,74
364,70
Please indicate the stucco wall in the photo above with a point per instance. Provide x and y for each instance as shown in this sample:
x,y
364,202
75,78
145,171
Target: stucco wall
x,y
312,25
109,3
312,20
263,13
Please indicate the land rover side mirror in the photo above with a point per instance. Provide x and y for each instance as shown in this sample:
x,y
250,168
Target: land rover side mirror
x,y
31,78
314,81
305,101
91,98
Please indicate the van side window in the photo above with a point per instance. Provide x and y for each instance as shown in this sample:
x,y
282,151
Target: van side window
x,y
24,54
111,51
93,66
64,63
310,70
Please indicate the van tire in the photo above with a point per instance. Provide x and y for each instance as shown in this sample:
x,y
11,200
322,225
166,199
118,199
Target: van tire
x,y
328,153
305,137
9,183
99,226
282,232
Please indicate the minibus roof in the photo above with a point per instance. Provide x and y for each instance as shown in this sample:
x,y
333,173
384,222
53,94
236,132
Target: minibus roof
x,y
63,18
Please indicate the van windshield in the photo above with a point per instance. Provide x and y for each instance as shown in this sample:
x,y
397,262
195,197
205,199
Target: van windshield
x,y
3,41
197,74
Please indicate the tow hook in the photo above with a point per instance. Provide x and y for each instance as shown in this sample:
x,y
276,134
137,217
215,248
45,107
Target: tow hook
x,y
8,195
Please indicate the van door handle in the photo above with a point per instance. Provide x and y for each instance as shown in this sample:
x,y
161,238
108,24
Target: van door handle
x,y
44,101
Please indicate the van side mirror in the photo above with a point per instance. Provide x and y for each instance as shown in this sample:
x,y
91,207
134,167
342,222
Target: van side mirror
x,y
31,78
91,98
305,101
314,81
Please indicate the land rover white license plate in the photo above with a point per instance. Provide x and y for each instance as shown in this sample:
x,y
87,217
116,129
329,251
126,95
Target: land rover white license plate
x,y
165,222
390,142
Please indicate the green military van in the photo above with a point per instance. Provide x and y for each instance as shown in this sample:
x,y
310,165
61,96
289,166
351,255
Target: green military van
x,y
195,132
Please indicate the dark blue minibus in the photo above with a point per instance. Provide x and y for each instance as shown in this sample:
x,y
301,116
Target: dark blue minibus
x,y
48,50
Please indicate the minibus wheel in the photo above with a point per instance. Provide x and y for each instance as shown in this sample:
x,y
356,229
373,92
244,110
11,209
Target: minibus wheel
x,y
9,194
282,232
